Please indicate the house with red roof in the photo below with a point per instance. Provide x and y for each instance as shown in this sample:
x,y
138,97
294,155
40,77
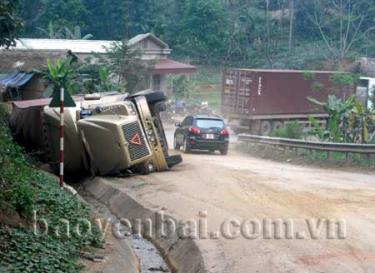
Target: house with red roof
x,y
31,54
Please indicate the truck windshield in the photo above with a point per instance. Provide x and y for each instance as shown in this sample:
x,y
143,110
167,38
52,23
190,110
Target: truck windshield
x,y
210,123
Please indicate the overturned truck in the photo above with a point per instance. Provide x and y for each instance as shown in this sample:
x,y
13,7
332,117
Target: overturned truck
x,y
105,134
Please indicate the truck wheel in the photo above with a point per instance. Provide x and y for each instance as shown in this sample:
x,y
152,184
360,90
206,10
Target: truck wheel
x,y
176,145
265,128
186,146
145,168
277,125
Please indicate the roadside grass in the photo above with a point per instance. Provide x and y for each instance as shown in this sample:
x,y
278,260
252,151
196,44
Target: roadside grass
x,y
307,157
25,191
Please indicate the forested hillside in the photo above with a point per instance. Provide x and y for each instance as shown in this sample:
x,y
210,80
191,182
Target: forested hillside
x,y
256,33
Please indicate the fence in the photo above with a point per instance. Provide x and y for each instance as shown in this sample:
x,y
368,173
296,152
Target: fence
x,y
347,148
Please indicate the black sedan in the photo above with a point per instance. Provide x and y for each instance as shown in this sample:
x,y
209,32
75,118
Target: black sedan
x,y
202,133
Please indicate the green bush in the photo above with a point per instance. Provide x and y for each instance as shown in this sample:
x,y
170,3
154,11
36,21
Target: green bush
x,y
181,86
23,251
290,130
25,190
16,192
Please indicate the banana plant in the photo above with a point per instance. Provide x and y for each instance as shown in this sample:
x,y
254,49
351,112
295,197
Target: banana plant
x,y
61,74
105,83
337,110
317,130
363,117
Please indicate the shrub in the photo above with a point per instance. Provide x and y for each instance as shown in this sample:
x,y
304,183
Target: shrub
x,y
290,130
24,189
16,192
23,251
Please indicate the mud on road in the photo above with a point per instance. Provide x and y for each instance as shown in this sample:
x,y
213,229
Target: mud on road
x,y
243,189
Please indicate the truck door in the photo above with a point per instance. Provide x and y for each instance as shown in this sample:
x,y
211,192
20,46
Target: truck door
x,y
243,94
229,94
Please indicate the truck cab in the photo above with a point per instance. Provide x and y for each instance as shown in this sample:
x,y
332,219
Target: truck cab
x,y
105,134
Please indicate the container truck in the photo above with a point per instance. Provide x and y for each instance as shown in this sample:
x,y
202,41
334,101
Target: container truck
x,y
260,101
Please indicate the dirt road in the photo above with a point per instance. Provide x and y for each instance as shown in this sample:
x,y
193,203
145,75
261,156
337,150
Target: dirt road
x,y
240,188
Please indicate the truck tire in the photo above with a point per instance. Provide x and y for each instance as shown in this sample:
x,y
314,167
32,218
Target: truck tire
x,y
265,128
176,145
173,160
277,125
145,168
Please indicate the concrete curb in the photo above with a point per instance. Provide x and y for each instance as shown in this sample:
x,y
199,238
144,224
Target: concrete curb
x,y
119,253
183,255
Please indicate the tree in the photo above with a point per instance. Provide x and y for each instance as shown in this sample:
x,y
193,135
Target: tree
x,y
257,33
76,34
268,33
201,30
342,24
10,24
97,78
140,16
41,14
127,65
181,87
51,32
291,24
64,33
105,19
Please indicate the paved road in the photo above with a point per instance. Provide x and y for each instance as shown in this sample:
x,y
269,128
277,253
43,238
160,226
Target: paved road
x,y
239,187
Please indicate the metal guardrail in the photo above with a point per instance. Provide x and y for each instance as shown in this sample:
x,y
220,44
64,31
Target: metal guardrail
x,y
366,149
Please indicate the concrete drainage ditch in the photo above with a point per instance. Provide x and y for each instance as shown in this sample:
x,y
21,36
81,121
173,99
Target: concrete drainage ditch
x,y
150,260
181,255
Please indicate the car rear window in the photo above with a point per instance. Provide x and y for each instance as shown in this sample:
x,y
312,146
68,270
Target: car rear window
x,y
210,123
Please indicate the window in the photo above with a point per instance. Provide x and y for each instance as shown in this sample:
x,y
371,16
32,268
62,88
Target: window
x,y
210,123
156,82
187,121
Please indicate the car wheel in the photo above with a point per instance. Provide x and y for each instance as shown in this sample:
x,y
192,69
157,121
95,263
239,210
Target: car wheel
x,y
186,146
176,145
224,151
